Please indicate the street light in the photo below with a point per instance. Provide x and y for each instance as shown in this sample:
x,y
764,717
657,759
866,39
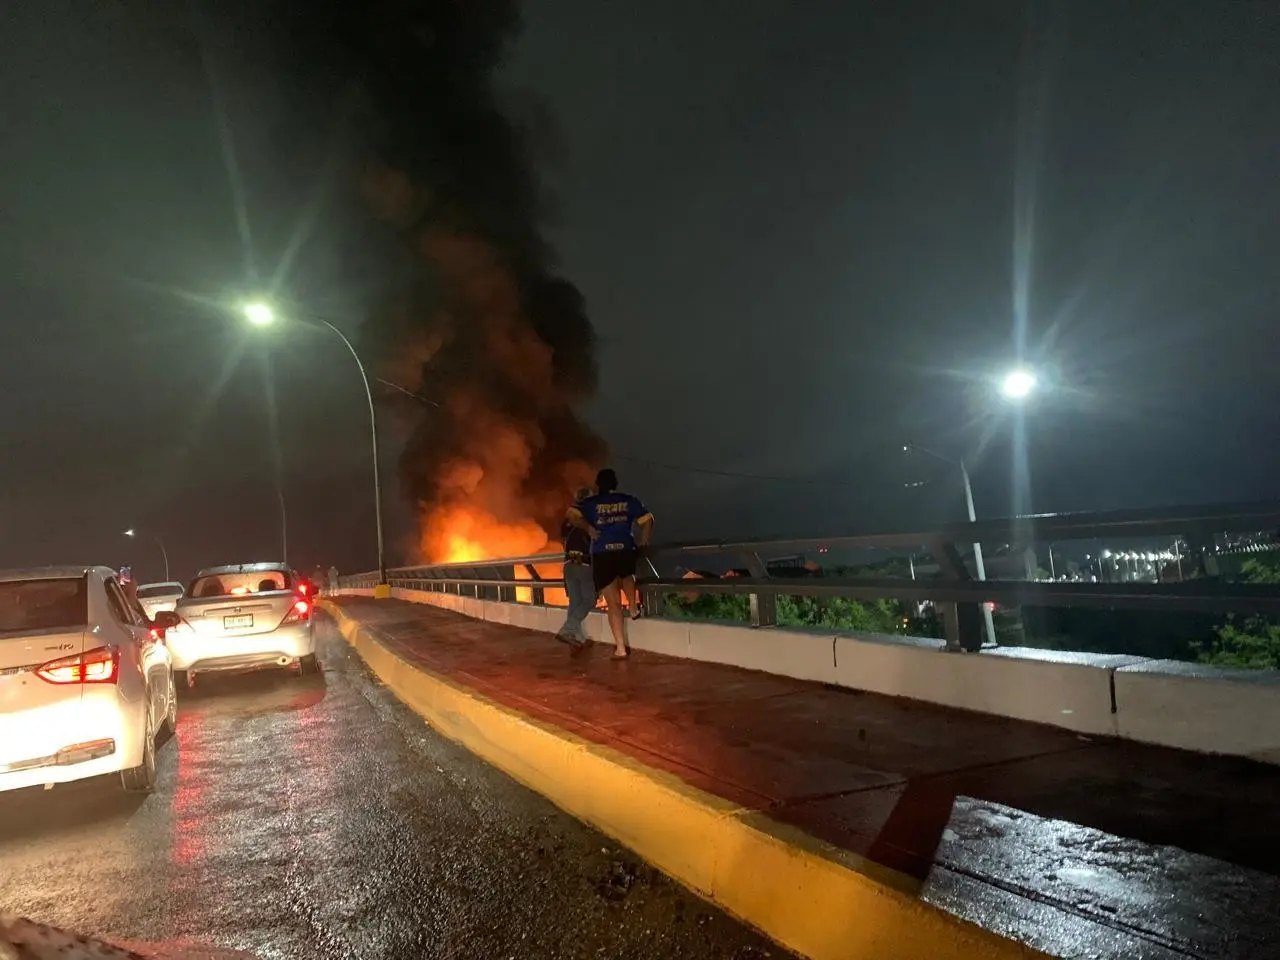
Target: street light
x,y
978,566
1018,384
131,533
260,314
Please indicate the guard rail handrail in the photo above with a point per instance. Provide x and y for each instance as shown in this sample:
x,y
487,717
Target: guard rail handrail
x,y
956,592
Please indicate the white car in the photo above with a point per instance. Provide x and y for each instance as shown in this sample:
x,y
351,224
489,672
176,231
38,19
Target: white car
x,y
85,681
241,617
155,597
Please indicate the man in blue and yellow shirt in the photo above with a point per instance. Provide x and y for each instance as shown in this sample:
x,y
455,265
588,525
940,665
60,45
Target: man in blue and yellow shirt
x,y
618,524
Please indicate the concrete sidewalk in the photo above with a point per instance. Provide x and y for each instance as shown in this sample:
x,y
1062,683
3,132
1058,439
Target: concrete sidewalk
x,y
1075,846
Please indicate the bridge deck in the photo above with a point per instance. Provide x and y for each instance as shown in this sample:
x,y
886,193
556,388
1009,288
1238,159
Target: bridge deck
x,y
1079,846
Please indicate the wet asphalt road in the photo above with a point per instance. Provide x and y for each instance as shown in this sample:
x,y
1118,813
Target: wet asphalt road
x,y
320,818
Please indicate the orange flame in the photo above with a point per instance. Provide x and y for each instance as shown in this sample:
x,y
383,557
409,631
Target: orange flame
x,y
465,534
551,596
461,533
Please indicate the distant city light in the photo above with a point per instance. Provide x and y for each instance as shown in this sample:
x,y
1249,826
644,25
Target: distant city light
x,y
1018,384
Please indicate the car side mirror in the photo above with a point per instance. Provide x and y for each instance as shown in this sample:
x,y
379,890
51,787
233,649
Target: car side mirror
x,y
166,620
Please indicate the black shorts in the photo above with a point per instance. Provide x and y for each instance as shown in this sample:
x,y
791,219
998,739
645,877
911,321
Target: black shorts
x,y
610,565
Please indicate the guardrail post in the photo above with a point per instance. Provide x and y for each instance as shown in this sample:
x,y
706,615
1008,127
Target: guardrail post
x,y
1205,548
536,594
964,623
764,610
964,626
764,606
655,601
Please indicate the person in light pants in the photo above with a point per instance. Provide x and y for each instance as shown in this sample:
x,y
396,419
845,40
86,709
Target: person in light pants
x,y
578,582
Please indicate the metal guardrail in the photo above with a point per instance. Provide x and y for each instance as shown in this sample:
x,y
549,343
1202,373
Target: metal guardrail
x,y
956,593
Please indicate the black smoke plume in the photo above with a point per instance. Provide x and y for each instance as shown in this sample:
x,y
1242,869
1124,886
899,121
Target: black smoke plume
x,y
494,334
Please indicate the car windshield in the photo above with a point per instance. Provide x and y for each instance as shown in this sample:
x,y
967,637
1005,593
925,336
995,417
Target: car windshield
x,y
58,603
153,590
238,583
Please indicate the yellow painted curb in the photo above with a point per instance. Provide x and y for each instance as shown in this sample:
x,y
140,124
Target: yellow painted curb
x,y
809,896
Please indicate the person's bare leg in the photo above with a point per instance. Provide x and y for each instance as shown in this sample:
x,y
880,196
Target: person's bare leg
x,y
633,600
613,602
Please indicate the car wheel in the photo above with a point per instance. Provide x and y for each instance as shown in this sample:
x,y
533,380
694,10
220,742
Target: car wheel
x,y
142,778
171,714
307,666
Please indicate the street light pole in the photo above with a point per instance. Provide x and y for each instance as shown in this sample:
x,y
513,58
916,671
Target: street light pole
x,y
260,314
165,554
284,525
160,543
373,437
979,566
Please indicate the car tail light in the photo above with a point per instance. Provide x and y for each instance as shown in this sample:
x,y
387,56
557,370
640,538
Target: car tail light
x,y
304,588
96,666
300,612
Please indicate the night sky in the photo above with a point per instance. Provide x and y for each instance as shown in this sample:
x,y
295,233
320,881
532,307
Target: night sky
x,y
806,234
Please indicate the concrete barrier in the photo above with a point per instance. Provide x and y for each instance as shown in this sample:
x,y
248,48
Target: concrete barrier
x,y
1197,707
542,619
670,637
1169,703
1068,690
446,601
597,628
499,612
805,655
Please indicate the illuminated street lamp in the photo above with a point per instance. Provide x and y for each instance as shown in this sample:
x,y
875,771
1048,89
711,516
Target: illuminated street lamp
x,y
260,314
131,533
1018,384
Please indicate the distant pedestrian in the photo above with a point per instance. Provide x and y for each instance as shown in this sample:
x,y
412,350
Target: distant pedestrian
x,y
578,583
618,525
333,581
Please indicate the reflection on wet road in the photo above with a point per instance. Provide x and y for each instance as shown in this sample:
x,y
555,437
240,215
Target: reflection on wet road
x,y
319,817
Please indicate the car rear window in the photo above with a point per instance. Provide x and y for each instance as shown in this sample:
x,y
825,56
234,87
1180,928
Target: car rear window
x,y
159,590
238,584
56,603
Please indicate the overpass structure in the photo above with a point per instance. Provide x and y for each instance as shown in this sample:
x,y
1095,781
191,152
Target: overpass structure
x,y
855,794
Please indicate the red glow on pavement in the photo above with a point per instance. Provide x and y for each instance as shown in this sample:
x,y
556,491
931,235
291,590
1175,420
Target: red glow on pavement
x,y
189,817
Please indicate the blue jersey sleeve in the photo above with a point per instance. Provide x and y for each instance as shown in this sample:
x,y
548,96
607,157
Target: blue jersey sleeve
x,y
638,510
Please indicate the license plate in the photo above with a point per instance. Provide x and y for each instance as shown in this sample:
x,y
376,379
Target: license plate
x,y
237,623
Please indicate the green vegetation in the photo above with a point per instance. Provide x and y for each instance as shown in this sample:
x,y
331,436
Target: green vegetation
x,y
1252,642
1243,641
836,613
